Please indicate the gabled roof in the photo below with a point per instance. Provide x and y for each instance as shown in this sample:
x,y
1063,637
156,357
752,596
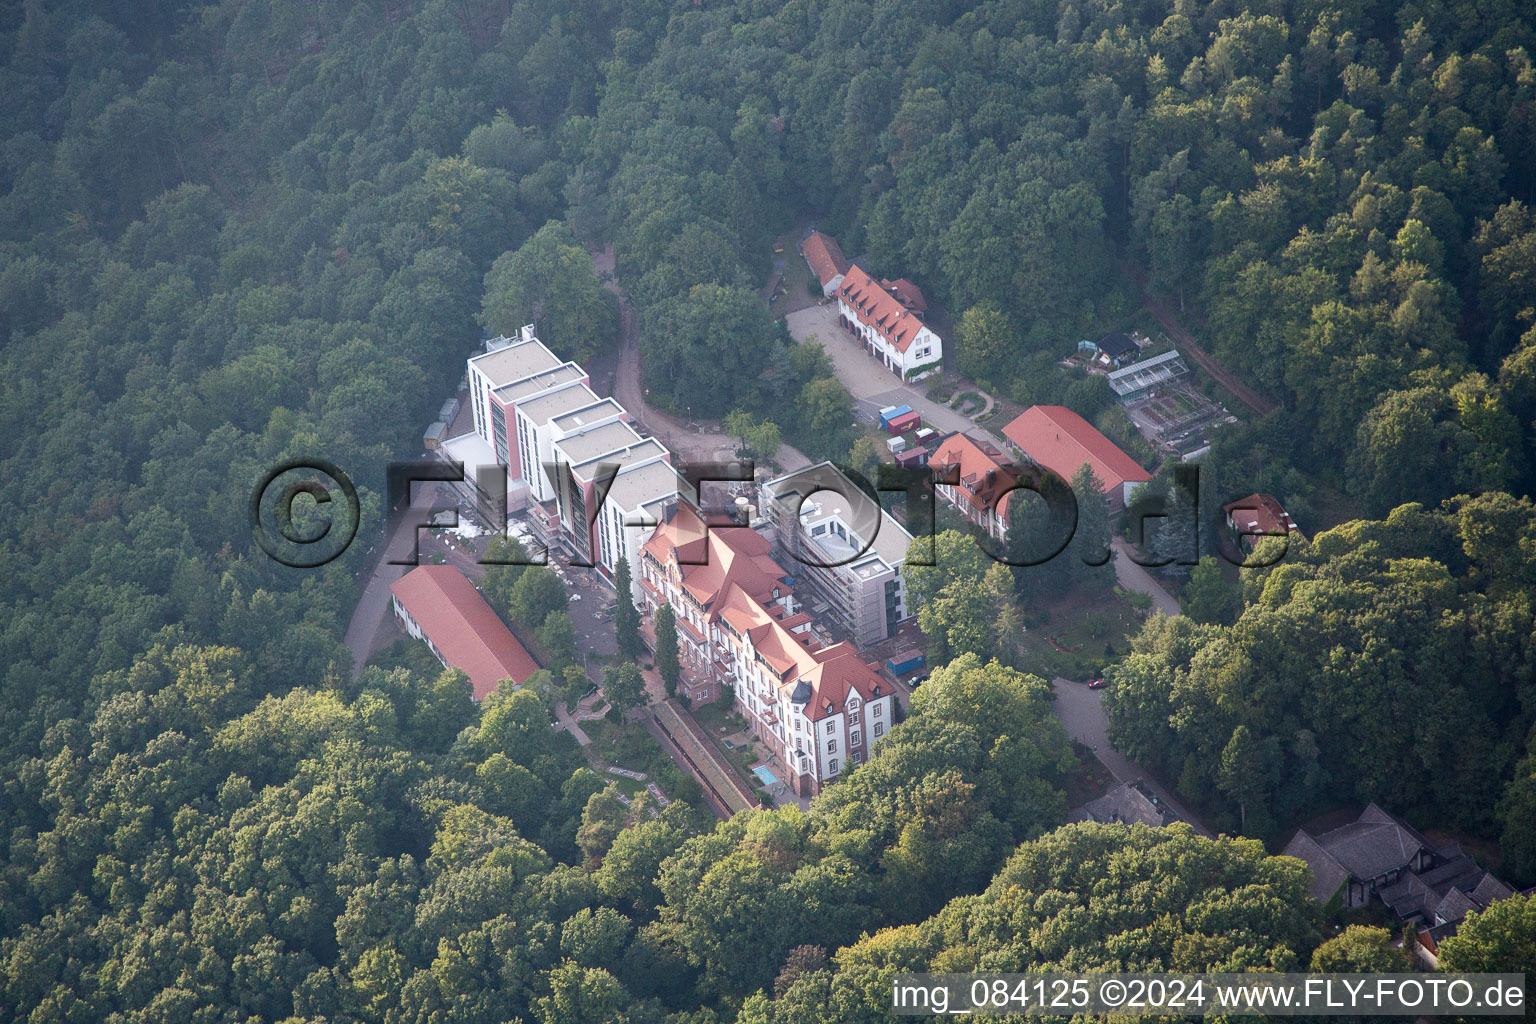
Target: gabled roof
x,y
908,294
976,459
1117,346
1259,514
1062,441
1327,873
463,628
824,256
737,586
876,307
730,556
1124,803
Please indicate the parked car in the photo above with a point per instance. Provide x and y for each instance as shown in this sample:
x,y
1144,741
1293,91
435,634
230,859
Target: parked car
x,y
1096,684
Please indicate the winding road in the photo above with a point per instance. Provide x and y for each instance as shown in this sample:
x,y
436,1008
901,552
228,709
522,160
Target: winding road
x,y
692,439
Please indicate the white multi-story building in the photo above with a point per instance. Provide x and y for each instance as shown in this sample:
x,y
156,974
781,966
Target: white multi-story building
x,y
847,549
887,316
538,416
819,709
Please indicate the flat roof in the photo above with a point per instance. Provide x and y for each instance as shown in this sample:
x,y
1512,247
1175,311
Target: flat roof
x,y
595,441
515,361
891,541
588,414
638,487
642,451
519,390
824,480
470,449
544,407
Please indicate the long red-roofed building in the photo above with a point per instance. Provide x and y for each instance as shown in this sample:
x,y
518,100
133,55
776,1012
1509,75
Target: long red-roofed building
x,y
887,316
437,604
825,258
1060,440
984,475
819,709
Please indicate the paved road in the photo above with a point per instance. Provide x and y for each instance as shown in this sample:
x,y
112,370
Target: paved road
x,y
696,439
1131,576
1082,713
367,630
867,379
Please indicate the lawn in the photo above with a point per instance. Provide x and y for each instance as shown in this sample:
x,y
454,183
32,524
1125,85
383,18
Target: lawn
x,y
1093,623
627,745
712,718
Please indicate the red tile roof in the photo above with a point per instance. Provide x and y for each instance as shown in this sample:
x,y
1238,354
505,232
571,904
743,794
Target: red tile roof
x,y
1062,441
876,307
463,628
737,586
909,294
825,258
976,459
731,555
1259,514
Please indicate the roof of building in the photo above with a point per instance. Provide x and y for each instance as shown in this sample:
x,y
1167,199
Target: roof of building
x,y
1375,844
636,488
823,491
824,256
515,361
1062,441
986,475
1117,345
737,585
1148,373
544,380
463,628
1126,803
1259,514
552,402
876,307
614,436
595,413
908,294
637,453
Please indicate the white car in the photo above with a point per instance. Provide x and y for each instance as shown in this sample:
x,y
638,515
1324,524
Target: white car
x,y
575,597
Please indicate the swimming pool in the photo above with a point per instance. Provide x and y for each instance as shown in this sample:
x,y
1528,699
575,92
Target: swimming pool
x,y
762,772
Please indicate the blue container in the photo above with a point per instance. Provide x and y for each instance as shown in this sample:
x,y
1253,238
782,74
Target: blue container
x,y
901,668
886,415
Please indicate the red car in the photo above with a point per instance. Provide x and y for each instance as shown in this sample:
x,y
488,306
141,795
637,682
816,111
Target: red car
x,y
1096,684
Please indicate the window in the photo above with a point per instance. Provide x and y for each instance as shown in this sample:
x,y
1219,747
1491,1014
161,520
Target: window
x,y
854,737
832,767
831,746
879,730
701,696
830,727
878,709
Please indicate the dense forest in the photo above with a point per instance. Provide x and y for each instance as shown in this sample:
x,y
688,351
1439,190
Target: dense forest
x,y
238,233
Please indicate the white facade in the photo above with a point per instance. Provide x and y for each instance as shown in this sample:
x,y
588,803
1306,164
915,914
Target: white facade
x,y
926,346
